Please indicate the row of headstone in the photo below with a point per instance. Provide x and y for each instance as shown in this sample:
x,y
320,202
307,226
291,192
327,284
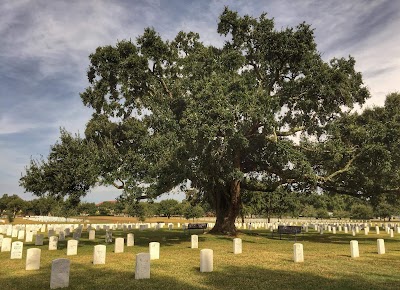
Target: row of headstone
x,y
355,253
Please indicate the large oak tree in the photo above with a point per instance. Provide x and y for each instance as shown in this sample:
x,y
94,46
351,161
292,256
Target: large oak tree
x,y
166,112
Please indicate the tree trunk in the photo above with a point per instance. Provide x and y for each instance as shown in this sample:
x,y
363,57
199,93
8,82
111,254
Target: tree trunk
x,y
227,207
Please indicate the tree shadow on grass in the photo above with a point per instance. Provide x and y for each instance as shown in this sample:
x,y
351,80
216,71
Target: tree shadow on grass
x,y
226,278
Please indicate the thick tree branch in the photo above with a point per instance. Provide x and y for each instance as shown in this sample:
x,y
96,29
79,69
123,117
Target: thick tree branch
x,y
340,171
119,186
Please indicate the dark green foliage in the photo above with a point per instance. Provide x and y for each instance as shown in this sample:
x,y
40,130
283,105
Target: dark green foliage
x,y
168,208
361,211
11,205
192,211
360,155
222,117
70,170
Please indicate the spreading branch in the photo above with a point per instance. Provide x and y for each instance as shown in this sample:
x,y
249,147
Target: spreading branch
x,y
338,172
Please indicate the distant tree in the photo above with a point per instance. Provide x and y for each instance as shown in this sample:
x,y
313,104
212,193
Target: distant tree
x,y
44,205
138,210
361,211
386,209
309,211
341,214
87,208
13,204
192,212
322,213
168,207
106,208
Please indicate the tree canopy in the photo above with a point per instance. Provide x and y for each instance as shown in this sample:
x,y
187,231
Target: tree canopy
x,y
169,111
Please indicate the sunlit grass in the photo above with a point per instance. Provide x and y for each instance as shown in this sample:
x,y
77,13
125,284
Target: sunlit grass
x,y
266,263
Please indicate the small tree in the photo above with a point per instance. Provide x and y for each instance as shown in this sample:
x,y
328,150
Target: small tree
x,y
192,212
361,211
138,210
309,211
168,207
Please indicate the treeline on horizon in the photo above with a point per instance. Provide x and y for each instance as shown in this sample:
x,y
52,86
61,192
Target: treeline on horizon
x,y
261,205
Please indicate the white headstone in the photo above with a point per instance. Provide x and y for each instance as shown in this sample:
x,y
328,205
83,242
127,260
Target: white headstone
x,y
391,233
29,237
6,245
194,241
59,273
130,240
21,234
237,246
154,249
92,235
298,255
119,245
16,250
72,247
142,269
99,254
53,241
377,230
206,260
381,246
354,249
39,240
33,259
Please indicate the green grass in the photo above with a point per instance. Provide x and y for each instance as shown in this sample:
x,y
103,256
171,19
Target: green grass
x,y
266,263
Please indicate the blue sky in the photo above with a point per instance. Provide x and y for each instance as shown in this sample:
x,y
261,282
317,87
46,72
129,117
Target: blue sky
x,y
45,46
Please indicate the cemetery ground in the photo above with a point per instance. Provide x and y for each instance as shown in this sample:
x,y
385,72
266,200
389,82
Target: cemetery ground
x,y
266,262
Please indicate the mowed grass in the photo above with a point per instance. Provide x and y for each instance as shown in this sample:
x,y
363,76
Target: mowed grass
x,y
266,263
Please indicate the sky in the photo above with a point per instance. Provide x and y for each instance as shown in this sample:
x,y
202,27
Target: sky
x,y
45,44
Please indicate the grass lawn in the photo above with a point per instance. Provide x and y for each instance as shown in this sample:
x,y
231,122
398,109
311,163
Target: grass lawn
x,y
266,263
